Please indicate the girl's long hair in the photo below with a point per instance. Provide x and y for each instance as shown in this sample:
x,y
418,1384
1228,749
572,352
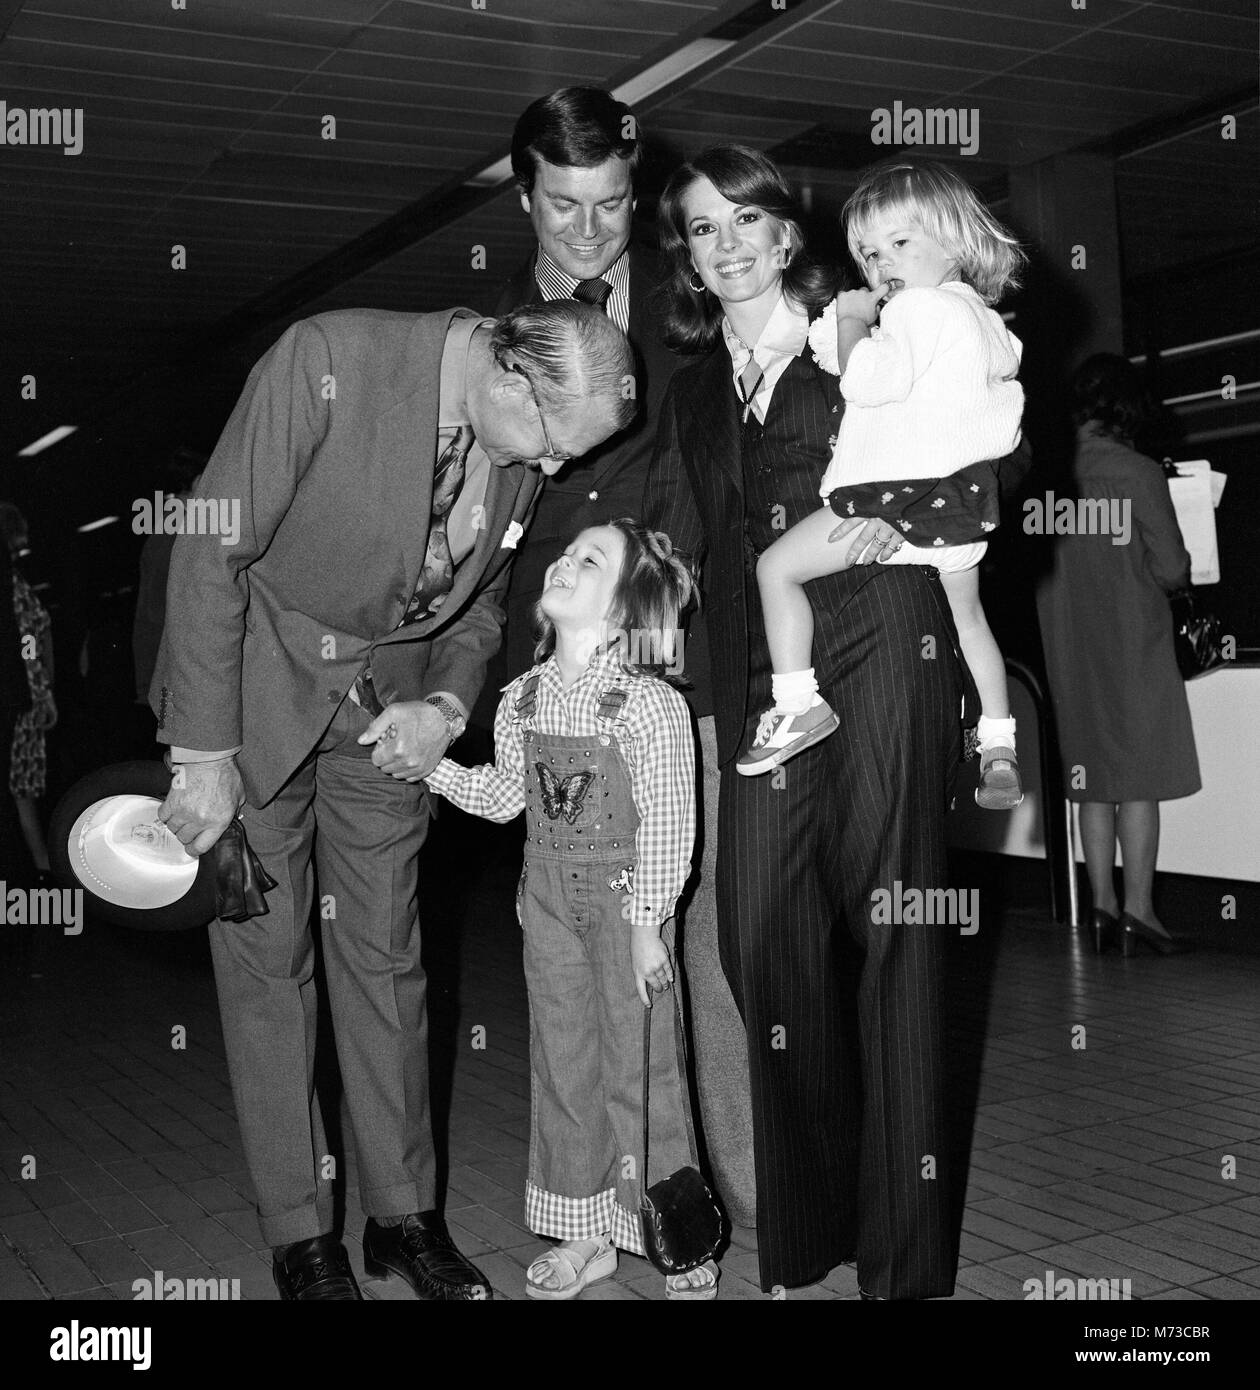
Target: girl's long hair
x,y
644,618
745,177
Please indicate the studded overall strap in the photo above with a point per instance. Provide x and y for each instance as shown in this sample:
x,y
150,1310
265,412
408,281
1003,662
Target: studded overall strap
x,y
527,700
611,703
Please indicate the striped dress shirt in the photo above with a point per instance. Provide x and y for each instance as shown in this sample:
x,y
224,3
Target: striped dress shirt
x,y
555,284
654,735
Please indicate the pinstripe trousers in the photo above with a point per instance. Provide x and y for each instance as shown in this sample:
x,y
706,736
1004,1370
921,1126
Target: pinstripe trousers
x,y
844,1015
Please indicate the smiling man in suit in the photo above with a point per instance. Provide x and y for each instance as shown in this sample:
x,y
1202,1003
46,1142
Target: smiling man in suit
x,y
311,672
575,155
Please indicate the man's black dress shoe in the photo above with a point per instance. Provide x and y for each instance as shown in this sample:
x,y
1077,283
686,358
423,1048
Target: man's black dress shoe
x,y
422,1252
315,1270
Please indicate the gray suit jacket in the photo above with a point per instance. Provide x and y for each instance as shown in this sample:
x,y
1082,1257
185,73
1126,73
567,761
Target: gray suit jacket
x,y
330,452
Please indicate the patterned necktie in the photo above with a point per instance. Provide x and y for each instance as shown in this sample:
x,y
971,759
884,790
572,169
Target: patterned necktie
x,y
593,292
750,380
438,572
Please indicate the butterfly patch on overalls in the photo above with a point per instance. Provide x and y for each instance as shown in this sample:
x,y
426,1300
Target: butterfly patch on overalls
x,y
563,796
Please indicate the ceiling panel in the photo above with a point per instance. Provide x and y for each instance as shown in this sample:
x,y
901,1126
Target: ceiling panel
x,y
1193,27
1136,65
203,126
300,21
43,32
660,17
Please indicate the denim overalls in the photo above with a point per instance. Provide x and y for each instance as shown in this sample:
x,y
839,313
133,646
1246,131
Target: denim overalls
x,y
586,1018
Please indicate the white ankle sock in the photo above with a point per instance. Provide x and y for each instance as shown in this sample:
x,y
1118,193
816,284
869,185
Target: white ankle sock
x,y
994,733
794,691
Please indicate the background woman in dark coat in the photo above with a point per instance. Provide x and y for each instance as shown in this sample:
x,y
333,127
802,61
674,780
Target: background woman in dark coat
x,y
1120,702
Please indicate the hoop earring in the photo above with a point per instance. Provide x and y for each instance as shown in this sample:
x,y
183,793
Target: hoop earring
x,y
695,289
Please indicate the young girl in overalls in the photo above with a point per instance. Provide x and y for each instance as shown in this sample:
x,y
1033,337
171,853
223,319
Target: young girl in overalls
x,y
596,748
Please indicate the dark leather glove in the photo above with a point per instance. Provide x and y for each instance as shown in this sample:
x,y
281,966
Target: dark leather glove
x,y
240,879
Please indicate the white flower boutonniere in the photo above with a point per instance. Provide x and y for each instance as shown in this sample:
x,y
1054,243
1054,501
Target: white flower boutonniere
x,y
513,534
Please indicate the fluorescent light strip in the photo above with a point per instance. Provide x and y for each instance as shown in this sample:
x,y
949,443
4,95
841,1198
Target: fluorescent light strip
x,y
638,88
1214,393
498,172
97,524
48,440
670,69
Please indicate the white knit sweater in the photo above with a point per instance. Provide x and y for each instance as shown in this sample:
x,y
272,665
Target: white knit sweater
x,y
931,390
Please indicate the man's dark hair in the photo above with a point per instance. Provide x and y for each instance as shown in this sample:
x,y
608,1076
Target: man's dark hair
x,y
575,126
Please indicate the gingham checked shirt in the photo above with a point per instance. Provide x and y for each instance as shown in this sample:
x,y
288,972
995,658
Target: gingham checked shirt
x,y
654,736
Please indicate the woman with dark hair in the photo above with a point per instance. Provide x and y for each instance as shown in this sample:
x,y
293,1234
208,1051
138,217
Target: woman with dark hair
x,y
694,318
1119,700
846,1066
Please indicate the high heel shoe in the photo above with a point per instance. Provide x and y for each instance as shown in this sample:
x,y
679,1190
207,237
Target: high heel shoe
x,y
1104,929
1135,932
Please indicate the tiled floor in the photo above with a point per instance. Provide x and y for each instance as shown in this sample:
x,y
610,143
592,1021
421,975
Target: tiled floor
x,y
1104,1099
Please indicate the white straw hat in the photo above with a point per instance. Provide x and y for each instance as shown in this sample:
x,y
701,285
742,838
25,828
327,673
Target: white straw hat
x,y
106,839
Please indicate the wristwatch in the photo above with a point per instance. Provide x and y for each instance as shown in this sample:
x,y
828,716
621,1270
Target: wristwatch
x,y
455,721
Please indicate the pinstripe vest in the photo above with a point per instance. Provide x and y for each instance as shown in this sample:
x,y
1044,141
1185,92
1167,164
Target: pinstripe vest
x,y
783,463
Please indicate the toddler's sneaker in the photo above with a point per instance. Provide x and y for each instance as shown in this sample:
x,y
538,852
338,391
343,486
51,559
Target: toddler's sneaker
x,y
782,736
1000,788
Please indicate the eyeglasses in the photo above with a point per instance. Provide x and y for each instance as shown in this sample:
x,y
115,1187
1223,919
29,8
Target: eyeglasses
x,y
553,455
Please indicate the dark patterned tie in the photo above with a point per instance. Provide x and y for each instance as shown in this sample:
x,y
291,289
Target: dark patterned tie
x,y
438,572
593,292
